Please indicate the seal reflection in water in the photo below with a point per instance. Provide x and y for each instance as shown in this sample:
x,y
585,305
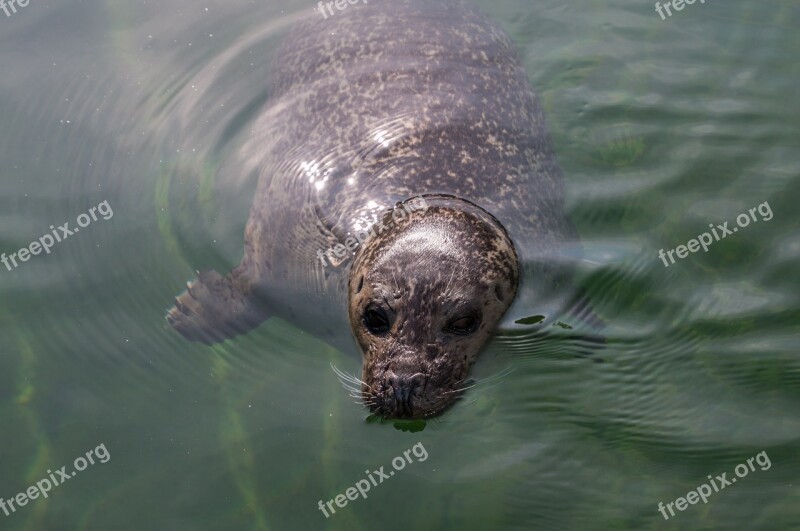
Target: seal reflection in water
x,y
387,102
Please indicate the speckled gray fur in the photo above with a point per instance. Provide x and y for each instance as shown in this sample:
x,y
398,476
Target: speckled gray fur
x,y
374,105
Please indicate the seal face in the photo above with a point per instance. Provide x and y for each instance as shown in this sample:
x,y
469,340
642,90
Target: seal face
x,y
423,299
389,101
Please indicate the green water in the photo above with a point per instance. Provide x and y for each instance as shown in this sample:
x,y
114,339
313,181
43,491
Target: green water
x,y
662,127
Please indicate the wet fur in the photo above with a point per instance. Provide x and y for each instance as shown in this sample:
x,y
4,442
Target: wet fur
x,y
384,102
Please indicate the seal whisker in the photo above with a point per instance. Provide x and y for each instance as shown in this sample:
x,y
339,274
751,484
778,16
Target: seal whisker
x,y
344,375
498,375
351,383
467,382
350,387
364,400
349,377
459,390
495,379
438,410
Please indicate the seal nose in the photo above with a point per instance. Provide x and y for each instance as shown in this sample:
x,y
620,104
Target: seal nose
x,y
403,388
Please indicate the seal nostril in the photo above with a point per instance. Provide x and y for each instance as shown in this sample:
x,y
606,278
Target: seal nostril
x,y
403,389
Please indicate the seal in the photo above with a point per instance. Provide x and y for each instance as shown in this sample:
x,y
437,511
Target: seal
x,y
386,105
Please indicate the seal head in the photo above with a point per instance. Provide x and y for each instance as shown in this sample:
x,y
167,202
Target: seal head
x,y
423,298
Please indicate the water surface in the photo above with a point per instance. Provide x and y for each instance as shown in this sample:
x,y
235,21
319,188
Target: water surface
x,y
662,127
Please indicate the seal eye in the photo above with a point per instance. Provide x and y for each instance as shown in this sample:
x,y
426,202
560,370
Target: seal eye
x,y
376,321
463,325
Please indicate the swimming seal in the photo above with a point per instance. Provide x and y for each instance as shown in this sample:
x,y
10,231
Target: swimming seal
x,y
394,106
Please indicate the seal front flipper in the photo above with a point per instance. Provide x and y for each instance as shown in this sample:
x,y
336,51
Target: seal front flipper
x,y
215,308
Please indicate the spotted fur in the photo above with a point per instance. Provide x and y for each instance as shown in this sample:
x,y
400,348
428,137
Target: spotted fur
x,y
380,103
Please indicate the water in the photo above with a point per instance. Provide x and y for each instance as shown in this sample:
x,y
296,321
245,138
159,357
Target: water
x,y
662,127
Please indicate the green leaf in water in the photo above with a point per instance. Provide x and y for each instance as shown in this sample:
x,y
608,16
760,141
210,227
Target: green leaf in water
x,y
399,424
410,425
374,419
532,320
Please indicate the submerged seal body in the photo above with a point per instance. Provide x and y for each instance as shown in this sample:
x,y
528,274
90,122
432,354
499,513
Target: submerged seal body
x,y
394,106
